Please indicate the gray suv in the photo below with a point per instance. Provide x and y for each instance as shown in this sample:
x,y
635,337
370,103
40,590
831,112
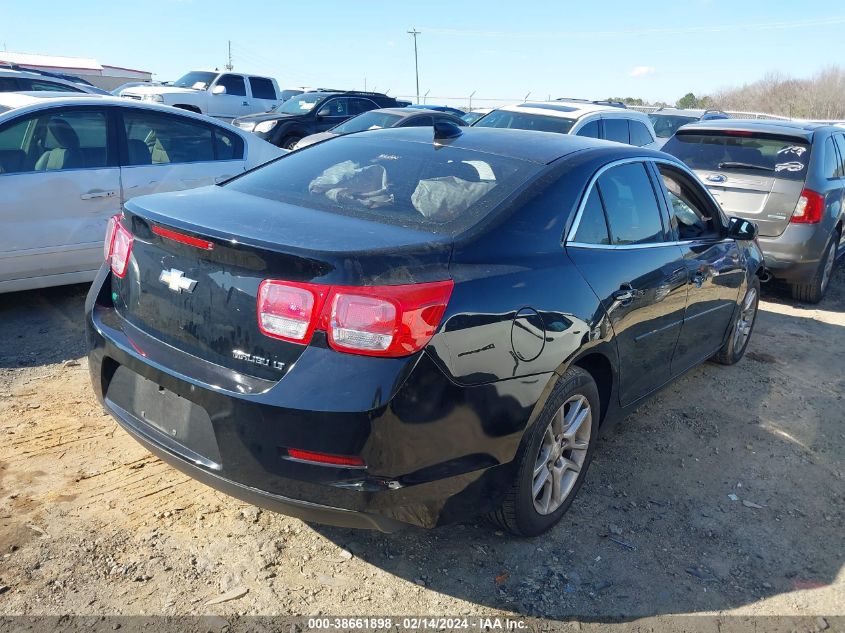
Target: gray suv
x,y
789,178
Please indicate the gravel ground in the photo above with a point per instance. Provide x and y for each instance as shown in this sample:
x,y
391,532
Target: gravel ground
x,y
724,494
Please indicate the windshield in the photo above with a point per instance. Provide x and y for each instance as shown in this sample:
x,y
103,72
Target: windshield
x,y
300,104
423,186
665,125
522,121
188,80
472,117
372,120
742,151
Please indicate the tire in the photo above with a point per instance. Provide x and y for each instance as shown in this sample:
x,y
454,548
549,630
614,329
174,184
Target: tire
x,y
518,513
814,290
289,142
741,327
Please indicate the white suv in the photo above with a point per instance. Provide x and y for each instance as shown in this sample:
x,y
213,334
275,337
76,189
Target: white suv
x,y
222,95
607,120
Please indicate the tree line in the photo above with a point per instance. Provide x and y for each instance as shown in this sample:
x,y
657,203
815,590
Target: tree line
x,y
821,96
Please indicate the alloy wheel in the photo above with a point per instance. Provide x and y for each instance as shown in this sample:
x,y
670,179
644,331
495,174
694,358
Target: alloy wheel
x,y
562,454
742,330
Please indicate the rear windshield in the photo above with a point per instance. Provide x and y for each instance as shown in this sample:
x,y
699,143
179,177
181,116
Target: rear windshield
x,y
785,158
440,189
523,121
368,121
665,125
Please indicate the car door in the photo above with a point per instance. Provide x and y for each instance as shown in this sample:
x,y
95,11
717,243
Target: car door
x,y
264,97
232,103
60,183
713,264
621,246
170,152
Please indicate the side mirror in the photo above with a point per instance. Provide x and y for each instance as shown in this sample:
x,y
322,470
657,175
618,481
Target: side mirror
x,y
740,229
218,90
325,111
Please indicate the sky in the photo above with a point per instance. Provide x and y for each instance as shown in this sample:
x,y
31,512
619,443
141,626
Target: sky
x,y
652,49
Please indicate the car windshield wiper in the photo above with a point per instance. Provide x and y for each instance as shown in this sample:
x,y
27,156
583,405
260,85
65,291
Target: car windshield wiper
x,y
736,165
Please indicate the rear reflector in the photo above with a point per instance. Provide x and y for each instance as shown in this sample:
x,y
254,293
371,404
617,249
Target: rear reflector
x,y
371,320
738,133
810,208
182,238
325,458
117,246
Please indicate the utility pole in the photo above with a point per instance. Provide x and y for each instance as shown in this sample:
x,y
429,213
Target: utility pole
x,y
415,32
470,99
229,65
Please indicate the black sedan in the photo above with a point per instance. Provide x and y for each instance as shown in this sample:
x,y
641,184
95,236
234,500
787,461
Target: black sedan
x,y
401,327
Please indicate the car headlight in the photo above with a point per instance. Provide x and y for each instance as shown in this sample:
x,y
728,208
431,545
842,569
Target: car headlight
x,y
245,125
153,98
265,126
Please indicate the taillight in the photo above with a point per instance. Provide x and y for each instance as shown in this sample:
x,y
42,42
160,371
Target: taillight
x,y
810,208
117,246
288,310
370,320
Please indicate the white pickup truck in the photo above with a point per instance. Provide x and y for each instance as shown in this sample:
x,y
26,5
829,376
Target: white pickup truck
x,y
225,95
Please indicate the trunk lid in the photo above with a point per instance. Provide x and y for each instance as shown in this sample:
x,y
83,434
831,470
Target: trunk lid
x,y
756,175
205,305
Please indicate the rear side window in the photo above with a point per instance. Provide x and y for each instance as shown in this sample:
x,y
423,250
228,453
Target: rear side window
x,y
522,121
262,88
592,228
439,189
359,106
159,139
742,151
590,130
630,204
228,145
420,121
234,85
831,159
840,143
616,130
8,84
640,135
39,85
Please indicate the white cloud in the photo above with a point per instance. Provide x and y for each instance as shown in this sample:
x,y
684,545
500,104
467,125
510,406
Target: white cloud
x,y
641,71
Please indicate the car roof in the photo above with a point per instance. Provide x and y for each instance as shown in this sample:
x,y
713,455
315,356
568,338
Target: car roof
x,y
6,72
801,129
681,111
567,109
526,145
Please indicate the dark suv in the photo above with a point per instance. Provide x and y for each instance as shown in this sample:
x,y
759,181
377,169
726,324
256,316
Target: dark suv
x,y
786,176
310,113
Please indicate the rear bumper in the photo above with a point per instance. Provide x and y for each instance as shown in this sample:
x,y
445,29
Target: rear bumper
x,y
794,255
435,452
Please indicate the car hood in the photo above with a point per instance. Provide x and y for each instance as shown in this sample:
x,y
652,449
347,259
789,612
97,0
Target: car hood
x,y
315,138
267,116
158,90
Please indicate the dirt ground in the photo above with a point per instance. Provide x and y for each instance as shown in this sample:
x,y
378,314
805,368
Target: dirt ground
x,y
722,494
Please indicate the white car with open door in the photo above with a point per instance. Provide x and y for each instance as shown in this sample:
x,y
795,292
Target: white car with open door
x,y
68,162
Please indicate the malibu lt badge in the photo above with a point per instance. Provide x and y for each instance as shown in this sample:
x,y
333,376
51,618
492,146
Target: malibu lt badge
x,y
257,360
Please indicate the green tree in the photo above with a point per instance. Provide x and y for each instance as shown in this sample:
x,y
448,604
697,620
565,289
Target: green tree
x,y
687,101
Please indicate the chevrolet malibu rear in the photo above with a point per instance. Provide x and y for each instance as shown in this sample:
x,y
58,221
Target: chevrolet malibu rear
x,y
388,329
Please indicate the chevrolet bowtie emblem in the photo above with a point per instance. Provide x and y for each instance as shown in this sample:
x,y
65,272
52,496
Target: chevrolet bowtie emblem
x,y
176,280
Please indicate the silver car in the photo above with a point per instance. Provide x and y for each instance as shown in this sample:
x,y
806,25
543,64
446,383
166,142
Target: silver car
x,y
789,178
68,162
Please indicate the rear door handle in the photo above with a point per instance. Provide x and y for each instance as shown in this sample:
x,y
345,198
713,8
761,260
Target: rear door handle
x,y
245,103
90,195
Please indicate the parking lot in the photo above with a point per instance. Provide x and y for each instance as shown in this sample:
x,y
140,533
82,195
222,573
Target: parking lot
x,y
723,493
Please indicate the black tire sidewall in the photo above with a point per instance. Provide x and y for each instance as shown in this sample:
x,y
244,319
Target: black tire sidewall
x,y
529,521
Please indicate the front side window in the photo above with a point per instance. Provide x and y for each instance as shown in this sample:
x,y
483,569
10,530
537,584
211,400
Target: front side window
x,y
590,130
690,216
630,204
524,121
60,140
592,228
336,107
741,151
234,85
616,130
159,139
640,136
421,186
262,88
